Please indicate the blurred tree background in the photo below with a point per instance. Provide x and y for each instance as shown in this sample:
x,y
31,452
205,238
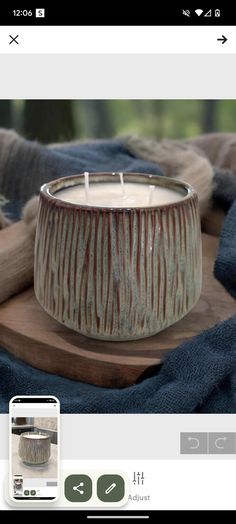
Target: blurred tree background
x,y
58,120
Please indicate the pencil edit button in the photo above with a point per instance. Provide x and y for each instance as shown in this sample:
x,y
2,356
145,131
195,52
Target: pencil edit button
x,y
193,443
110,488
222,443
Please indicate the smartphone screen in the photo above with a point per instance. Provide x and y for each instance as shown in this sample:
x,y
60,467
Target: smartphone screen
x,y
34,448
117,260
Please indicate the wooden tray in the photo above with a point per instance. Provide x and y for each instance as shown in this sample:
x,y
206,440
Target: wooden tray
x,y
30,334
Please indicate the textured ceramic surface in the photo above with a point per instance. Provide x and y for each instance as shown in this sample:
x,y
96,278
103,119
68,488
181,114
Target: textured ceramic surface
x,y
34,449
118,274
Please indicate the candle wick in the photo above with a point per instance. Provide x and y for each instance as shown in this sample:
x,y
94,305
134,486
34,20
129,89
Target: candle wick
x,y
86,185
150,195
121,175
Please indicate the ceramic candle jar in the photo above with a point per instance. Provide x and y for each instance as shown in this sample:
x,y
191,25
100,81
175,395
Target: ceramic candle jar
x,y
34,448
118,273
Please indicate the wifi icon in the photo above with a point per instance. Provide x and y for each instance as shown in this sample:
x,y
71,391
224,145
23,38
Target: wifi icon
x,y
199,12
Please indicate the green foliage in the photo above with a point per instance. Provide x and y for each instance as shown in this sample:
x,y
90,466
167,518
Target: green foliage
x,y
164,118
63,120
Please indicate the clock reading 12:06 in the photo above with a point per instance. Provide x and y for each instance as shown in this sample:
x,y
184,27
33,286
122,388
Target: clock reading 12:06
x,y
25,12
39,13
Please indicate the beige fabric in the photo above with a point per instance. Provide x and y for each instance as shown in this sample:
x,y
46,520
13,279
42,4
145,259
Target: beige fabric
x,y
17,252
178,160
4,221
16,259
29,214
219,148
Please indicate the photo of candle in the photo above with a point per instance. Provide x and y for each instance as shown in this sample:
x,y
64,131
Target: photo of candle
x,y
116,253
118,257
34,448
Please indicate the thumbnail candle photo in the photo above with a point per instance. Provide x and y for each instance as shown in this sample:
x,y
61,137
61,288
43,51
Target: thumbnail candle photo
x,y
34,443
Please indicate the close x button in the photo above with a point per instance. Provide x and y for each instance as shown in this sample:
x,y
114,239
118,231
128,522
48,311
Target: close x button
x,y
13,39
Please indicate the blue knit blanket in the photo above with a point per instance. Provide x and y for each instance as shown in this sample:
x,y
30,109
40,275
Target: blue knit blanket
x,y
197,377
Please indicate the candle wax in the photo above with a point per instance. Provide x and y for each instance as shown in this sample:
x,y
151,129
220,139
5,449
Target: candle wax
x,y
114,195
35,436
